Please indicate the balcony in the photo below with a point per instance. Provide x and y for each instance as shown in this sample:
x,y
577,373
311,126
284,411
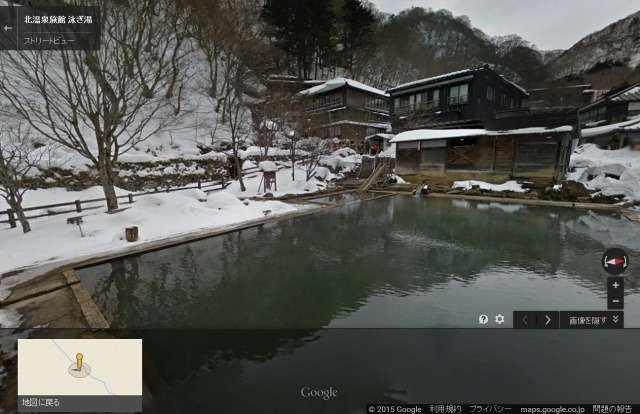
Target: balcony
x,y
422,107
458,100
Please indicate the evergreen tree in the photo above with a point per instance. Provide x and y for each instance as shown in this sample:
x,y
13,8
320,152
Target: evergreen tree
x,y
357,27
303,29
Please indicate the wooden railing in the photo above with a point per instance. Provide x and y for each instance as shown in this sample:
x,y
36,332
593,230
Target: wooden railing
x,y
78,204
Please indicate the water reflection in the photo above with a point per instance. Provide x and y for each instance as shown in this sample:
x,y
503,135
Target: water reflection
x,y
400,254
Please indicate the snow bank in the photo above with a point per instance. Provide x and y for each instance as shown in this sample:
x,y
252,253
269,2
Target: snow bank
x,y
157,216
345,159
254,151
508,186
608,172
268,166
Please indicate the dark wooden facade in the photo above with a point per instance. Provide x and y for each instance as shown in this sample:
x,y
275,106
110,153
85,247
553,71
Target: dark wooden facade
x,y
348,113
539,151
614,106
542,158
457,100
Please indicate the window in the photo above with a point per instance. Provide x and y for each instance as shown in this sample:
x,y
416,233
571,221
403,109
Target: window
x,y
430,99
593,115
459,94
334,131
327,100
376,103
491,94
507,102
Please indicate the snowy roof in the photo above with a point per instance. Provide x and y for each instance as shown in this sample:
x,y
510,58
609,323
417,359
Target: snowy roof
x,y
451,75
523,90
383,125
432,79
383,136
431,134
339,82
631,94
631,125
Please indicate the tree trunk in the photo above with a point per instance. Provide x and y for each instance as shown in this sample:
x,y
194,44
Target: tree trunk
x,y
239,170
105,170
26,227
293,161
15,202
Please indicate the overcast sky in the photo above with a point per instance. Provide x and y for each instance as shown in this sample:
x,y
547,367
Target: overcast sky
x,y
549,24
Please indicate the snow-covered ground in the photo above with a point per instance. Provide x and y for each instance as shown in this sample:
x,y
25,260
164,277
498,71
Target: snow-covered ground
x,y
284,182
609,172
157,216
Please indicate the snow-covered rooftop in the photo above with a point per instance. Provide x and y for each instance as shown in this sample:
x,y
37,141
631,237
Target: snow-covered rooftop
x,y
451,75
383,136
432,79
523,90
632,94
630,125
339,82
431,134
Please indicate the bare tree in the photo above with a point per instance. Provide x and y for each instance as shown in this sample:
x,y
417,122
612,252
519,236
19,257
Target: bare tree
x,y
316,149
19,154
102,103
235,114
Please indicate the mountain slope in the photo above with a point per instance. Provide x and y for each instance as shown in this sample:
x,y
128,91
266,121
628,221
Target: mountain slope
x,y
615,46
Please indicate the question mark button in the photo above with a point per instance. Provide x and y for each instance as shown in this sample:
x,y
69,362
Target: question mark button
x,y
483,319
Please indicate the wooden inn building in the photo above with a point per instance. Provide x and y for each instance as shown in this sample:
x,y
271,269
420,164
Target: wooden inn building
x,y
504,150
347,110
462,99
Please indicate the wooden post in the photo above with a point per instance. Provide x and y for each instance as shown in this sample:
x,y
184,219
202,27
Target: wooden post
x,y
130,198
78,206
167,189
12,219
199,185
131,233
224,184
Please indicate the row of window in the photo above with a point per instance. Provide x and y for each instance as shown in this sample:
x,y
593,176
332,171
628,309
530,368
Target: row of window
x,y
326,100
458,94
334,131
593,116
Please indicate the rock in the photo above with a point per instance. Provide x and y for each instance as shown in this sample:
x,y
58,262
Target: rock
x,y
574,189
454,192
268,195
474,191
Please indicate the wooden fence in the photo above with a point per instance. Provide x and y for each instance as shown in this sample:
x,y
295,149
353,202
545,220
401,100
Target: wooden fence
x,y
78,204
